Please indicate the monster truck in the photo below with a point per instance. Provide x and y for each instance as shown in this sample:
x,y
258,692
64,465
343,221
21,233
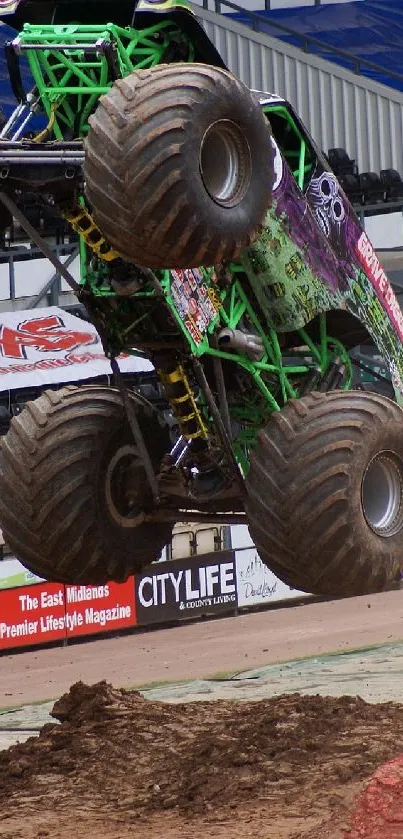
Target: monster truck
x,y
215,240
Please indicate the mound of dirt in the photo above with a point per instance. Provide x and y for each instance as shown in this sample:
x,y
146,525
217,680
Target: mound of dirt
x,y
277,768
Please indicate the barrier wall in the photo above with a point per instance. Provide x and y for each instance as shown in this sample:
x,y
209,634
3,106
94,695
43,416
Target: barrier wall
x,y
187,588
218,583
44,612
256,585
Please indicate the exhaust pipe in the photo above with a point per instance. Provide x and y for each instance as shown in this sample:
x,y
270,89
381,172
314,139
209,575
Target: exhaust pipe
x,y
234,339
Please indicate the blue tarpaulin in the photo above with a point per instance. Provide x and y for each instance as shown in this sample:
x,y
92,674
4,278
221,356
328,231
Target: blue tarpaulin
x,y
371,30
7,99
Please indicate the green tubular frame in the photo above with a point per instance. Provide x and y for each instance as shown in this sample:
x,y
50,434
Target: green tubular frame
x,y
293,157
276,377
70,79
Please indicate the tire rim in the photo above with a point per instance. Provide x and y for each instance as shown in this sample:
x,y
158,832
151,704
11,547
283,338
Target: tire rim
x,y
225,163
382,494
124,487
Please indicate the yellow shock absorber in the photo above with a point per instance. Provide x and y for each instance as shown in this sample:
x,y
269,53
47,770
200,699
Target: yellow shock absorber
x,y
83,224
183,403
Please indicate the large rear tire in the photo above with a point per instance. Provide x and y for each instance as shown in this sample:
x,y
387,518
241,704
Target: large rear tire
x,y
179,166
72,486
325,493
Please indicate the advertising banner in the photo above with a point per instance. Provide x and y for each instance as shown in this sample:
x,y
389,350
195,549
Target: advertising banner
x,y
173,590
32,615
51,346
257,585
186,588
91,609
47,612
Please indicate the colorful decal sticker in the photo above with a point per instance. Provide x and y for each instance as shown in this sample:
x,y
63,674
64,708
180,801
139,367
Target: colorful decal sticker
x,y
374,270
196,302
313,256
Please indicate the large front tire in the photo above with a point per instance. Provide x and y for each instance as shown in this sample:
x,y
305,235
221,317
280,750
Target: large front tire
x,y
72,486
179,166
325,504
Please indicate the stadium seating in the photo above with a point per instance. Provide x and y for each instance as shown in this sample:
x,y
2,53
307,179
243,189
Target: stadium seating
x,y
393,184
366,36
373,190
365,187
352,187
341,163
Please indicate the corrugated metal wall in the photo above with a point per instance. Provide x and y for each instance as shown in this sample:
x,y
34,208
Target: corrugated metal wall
x,y
338,107
273,5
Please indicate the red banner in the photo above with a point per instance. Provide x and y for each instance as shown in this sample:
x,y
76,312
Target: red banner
x,y
32,615
91,609
46,612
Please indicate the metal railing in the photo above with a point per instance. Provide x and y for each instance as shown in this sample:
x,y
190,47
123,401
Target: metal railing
x,y
51,289
258,23
314,3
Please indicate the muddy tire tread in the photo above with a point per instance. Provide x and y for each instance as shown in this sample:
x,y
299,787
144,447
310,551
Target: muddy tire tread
x,y
46,499
121,162
299,494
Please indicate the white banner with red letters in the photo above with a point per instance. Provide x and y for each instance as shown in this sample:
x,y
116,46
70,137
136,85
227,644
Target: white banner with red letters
x,y
50,346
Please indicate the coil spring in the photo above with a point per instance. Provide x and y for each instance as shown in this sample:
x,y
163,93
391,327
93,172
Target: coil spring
x,y
83,224
183,403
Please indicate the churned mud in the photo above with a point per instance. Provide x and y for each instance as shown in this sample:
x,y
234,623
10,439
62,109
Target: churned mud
x,y
115,765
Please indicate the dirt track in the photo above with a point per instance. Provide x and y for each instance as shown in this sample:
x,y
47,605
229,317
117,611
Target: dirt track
x,y
204,649
120,766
